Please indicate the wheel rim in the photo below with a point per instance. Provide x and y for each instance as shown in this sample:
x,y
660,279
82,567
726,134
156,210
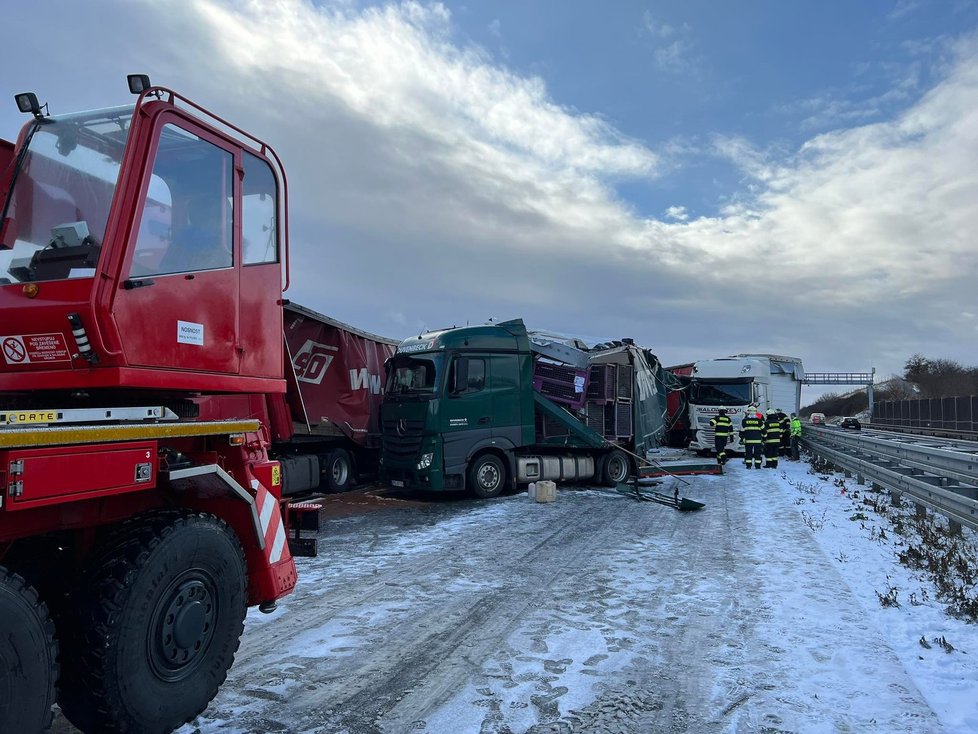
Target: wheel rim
x,y
617,468
340,471
489,476
183,626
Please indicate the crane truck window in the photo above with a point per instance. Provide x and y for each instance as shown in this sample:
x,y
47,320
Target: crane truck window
x,y
259,209
186,222
58,206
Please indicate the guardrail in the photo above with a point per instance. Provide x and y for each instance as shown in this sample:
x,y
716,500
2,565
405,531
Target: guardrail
x,y
944,479
926,431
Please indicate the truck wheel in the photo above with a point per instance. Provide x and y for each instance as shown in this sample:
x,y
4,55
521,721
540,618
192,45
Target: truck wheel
x,y
487,476
28,658
339,470
160,616
615,468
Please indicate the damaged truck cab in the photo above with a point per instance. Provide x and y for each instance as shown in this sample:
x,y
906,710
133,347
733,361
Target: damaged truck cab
x,y
462,411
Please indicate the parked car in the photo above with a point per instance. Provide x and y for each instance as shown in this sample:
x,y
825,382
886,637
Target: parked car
x,y
817,419
850,422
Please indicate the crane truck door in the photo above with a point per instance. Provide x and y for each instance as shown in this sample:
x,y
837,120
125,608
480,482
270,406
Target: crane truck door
x,y
178,304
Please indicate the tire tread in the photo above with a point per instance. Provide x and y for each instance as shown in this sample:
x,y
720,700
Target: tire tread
x,y
120,560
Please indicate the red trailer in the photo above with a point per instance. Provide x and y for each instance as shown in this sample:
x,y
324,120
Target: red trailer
x,y
143,401
677,407
335,389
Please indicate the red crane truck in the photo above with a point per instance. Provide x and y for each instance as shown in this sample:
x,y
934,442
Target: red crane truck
x,y
143,391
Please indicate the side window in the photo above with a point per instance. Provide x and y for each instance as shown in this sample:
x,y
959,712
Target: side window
x,y
186,224
467,375
477,375
259,210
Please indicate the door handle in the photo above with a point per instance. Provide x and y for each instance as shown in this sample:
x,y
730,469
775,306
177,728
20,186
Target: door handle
x,y
484,420
139,283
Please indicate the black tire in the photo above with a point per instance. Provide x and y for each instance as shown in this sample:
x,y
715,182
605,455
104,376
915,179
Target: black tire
x,y
487,476
338,470
159,619
615,468
28,658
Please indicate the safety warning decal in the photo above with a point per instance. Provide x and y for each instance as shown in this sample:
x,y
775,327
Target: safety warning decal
x,y
34,348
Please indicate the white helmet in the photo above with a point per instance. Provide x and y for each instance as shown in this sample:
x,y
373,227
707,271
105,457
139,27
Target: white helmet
x,y
771,411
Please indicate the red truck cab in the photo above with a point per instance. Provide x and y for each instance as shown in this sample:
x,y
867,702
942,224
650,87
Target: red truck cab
x,y
157,236
141,360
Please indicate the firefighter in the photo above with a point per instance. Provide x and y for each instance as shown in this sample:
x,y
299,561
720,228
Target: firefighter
x,y
772,439
795,436
722,430
785,423
752,435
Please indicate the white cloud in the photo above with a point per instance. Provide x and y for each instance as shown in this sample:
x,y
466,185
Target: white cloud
x,y
671,46
678,213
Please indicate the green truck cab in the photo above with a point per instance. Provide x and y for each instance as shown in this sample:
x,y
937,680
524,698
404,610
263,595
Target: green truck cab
x,y
460,413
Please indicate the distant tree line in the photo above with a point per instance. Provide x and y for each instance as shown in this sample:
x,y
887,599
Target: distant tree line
x,y
940,378
922,378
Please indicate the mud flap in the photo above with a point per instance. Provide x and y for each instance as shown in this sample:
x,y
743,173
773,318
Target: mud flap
x,y
304,517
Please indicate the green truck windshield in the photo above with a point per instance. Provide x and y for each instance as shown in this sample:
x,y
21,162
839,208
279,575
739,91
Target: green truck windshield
x,y
415,375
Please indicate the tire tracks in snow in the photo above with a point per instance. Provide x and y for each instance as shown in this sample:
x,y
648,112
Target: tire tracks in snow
x,y
434,642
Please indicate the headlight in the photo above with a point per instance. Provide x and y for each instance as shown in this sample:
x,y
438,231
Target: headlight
x,y
425,461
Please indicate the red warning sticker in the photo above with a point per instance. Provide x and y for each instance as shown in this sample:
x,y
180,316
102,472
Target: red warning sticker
x,y
34,348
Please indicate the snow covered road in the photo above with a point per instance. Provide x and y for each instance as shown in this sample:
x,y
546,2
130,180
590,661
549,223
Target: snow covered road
x,y
601,614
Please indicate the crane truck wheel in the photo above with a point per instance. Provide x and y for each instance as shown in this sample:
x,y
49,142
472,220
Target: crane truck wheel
x,y
160,617
487,476
615,468
28,658
339,470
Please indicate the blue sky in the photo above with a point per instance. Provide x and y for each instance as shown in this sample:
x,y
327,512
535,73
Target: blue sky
x,y
707,178
681,74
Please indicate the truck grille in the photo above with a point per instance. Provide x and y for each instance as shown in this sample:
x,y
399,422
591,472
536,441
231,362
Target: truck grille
x,y
403,444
